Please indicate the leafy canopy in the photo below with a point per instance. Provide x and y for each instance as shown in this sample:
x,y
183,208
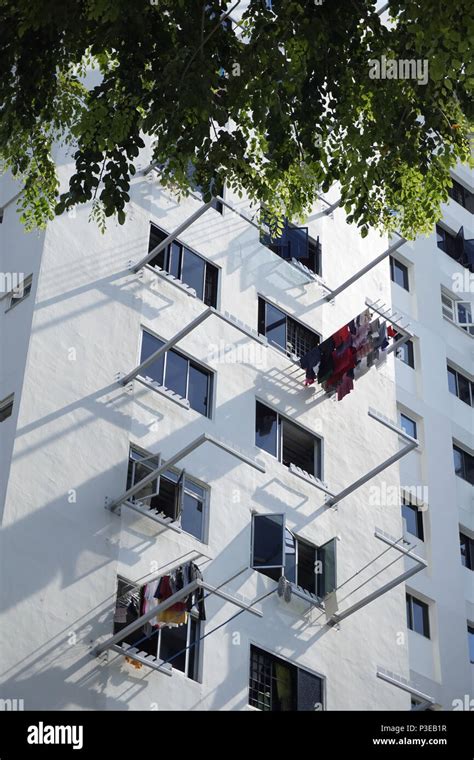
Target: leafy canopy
x,y
280,106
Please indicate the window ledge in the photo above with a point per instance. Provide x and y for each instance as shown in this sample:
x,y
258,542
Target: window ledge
x,y
458,327
171,279
163,390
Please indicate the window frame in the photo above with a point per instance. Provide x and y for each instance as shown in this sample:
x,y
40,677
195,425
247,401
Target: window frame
x,y
450,311
469,555
465,469
408,347
186,488
425,607
292,667
191,362
272,244
157,633
320,579
457,375
397,264
183,247
461,195
470,632
317,441
420,528
404,416
262,303
26,285
6,407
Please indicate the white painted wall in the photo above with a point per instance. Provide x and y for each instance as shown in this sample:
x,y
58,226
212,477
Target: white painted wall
x,y
62,550
442,664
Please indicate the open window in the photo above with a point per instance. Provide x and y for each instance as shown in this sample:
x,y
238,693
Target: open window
x,y
6,407
277,685
178,645
293,243
186,265
178,373
173,494
288,442
283,331
276,551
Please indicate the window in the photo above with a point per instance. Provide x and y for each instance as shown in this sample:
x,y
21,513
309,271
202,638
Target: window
x,y
286,441
283,331
446,241
294,243
276,552
399,273
6,407
456,246
408,425
21,292
276,685
466,545
176,496
470,641
458,312
462,195
463,464
460,386
405,352
413,517
186,266
418,616
178,373
179,646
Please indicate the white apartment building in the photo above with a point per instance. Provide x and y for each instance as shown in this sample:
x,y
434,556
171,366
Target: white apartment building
x,y
433,285
214,452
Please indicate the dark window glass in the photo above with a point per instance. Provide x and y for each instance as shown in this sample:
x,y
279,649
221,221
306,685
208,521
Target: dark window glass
x,y
452,384
466,545
278,686
268,542
463,464
150,344
193,272
298,447
290,556
446,241
464,388
186,266
288,442
461,195
180,375
172,644
210,286
266,429
306,572
176,374
327,576
275,325
408,425
418,616
406,354
156,237
414,520
6,408
199,389
191,517
470,640
283,331
399,273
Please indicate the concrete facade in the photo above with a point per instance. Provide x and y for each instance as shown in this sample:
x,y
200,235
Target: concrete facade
x,y
441,664
65,452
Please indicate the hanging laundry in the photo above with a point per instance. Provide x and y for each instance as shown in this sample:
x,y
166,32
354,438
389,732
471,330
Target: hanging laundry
x,y
348,354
